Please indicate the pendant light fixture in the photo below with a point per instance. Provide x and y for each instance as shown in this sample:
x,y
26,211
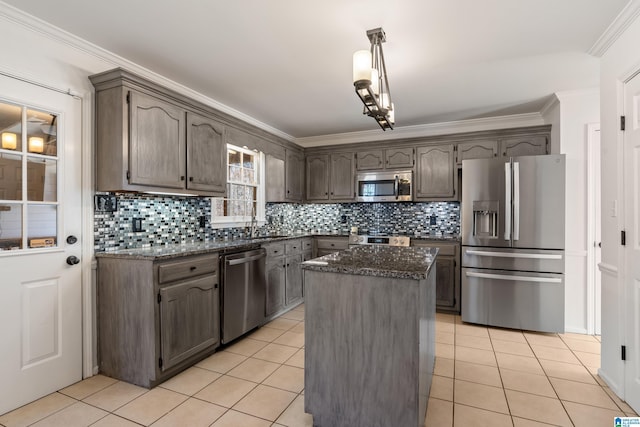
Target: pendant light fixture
x,y
370,81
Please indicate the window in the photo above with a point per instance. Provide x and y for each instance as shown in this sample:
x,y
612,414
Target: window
x,y
245,190
28,178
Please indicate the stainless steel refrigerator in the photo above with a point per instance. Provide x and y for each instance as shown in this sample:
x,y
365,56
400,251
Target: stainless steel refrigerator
x,y
513,242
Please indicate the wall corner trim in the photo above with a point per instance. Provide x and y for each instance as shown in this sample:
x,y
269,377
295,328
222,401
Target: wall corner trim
x,y
625,18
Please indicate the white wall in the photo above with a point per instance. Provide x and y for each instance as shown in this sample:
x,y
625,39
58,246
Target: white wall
x,y
621,60
569,116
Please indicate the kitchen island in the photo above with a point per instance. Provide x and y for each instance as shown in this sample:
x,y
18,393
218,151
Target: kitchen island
x,y
369,336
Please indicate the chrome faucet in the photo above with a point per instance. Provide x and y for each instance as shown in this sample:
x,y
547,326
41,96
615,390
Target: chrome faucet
x,y
253,228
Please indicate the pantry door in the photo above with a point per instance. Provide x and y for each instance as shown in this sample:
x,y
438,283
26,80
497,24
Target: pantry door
x,y
40,242
632,247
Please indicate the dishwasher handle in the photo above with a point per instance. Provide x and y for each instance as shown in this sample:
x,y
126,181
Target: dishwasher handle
x,y
245,259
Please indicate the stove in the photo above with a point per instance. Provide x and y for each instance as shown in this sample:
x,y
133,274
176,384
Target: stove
x,y
379,239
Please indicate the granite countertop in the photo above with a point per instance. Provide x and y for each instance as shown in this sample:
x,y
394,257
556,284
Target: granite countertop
x,y
197,248
380,261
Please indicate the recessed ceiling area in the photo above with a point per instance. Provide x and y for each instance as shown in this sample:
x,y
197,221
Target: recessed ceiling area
x,y
288,64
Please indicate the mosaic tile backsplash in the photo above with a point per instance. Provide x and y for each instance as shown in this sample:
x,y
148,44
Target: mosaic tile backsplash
x,y
169,220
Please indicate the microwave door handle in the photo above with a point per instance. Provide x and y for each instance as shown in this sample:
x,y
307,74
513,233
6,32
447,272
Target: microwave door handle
x,y
507,201
396,187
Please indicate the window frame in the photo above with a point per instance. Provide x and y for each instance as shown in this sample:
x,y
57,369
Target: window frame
x,y
243,220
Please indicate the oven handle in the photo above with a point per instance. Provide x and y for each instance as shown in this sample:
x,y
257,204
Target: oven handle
x,y
512,255
396,187
512,278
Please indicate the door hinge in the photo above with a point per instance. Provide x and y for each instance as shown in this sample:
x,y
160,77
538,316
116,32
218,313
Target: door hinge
x,y
128,97
623,238
159,298
160,362
623,352
623,123
128,175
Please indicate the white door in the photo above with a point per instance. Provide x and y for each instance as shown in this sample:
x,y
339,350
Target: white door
x,y
40,294
632,248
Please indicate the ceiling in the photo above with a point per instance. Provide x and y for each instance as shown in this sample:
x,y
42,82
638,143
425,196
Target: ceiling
x,y
287,63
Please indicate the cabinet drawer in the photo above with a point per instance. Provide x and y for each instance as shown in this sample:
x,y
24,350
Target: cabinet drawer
x,y
293,247
307,244
187,267
446,249
274,249
338,244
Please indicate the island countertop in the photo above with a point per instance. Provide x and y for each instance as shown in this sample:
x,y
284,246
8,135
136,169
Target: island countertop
x,y
379,261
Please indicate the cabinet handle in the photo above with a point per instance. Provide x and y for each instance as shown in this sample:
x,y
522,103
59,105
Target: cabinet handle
x,y
325,193
275,252
182,178
287,265
193,268
190,179
288,191
215,286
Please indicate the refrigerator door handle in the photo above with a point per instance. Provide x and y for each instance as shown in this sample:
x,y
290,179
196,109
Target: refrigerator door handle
x,y
516,201
512,278
507,201
512,255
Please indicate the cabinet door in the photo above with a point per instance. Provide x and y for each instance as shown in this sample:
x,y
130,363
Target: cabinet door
x,y
368,160
157,142
294,179
342,176
397,158
206,155
275,285
524,146
476,150
445,282
293,279
189,319
435,172
318,177
274,176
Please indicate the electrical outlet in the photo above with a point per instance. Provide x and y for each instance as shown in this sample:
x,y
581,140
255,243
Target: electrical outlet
x,y
203,220
432,220
343,218
136,226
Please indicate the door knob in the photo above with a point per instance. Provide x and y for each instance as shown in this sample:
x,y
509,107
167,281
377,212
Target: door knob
x,y
72,239
73,260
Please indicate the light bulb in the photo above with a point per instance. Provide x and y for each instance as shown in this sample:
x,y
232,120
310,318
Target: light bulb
x,y
9,141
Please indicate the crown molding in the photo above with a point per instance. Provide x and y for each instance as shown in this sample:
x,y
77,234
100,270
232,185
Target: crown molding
x,y
444,128
625,18
59,35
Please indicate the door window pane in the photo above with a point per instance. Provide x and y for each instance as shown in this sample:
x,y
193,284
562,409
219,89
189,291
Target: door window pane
x,y
10,176
10,227
42,225
10,127
42,131
42,180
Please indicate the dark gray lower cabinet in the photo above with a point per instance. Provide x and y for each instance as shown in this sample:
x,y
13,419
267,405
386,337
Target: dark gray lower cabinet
x,y
156,318
276,276
188,323
447,274
284,274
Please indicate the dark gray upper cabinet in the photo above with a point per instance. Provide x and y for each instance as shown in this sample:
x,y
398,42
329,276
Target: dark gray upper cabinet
x,y
368,160
398,158
435,173
318,177
206,155
341,180
157,142
389,158
524,146
294,179
275,179
476,150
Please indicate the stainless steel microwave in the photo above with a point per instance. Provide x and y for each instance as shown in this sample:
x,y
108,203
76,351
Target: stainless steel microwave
x,y
387,186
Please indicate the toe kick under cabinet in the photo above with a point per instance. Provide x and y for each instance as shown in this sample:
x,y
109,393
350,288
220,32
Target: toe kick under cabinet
x,y
156,318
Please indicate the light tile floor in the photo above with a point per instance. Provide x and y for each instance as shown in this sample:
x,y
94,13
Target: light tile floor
x,y
483,377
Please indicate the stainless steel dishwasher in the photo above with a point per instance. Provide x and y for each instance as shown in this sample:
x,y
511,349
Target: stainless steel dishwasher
x,y
243,292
